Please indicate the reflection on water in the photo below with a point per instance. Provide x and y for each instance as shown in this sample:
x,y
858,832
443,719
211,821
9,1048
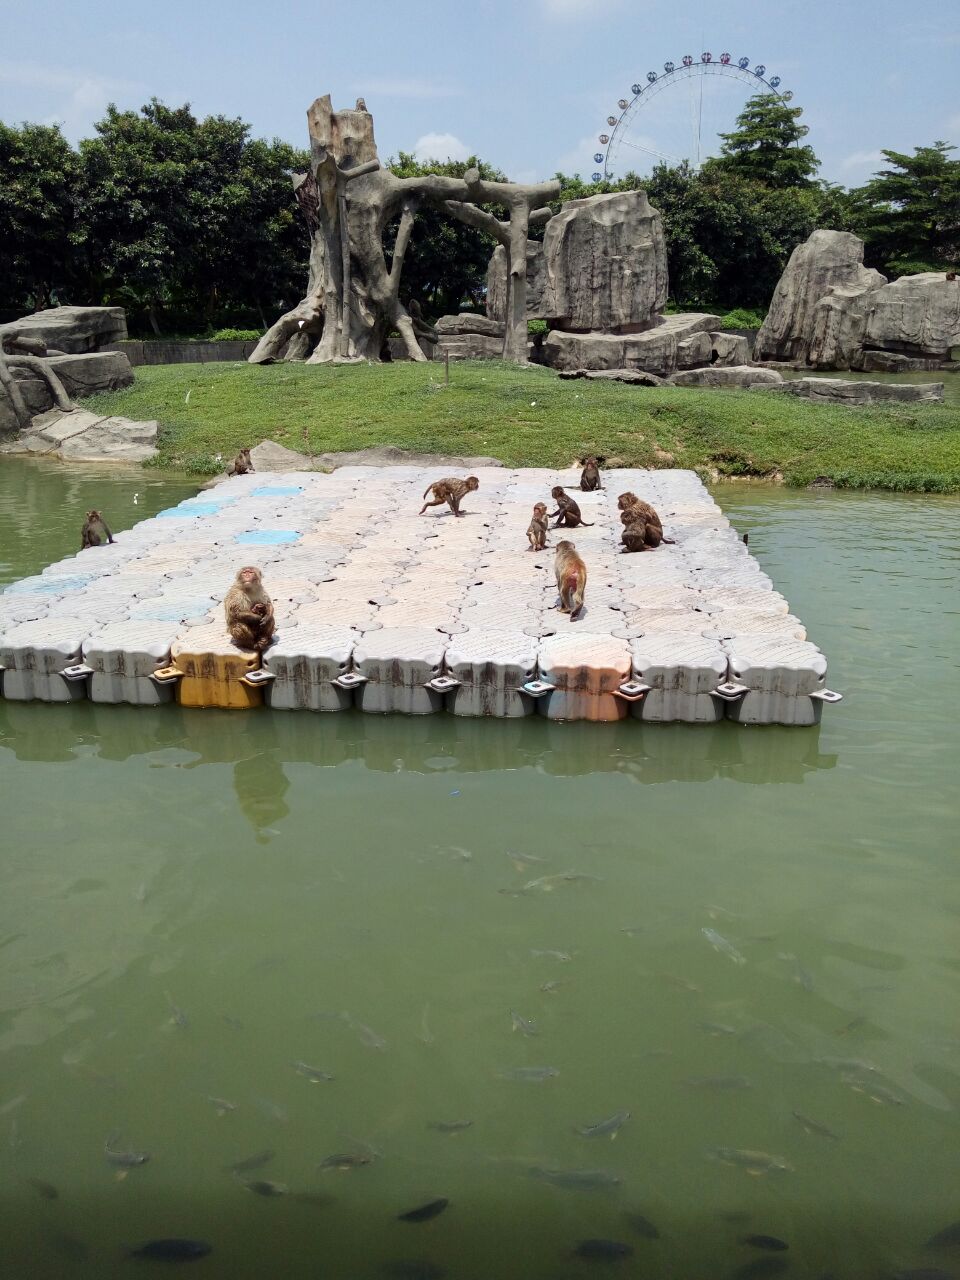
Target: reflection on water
x,y
494,936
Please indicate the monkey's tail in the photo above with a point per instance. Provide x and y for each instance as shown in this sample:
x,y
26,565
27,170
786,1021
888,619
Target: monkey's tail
x,y
588,524
427,489
670,541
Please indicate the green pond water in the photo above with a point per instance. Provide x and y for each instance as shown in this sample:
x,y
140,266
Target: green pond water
x,y
192,902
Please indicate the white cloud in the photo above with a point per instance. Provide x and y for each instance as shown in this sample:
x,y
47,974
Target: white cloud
x,y
440,146
861,159
405,88
78,99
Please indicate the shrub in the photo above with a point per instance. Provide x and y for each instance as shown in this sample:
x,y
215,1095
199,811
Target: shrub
x,y
743,318
537,328
232,335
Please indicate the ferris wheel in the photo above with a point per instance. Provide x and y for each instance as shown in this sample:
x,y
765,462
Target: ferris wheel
x,y
624,141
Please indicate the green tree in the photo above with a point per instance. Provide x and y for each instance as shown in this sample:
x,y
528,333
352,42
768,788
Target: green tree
x,y
37,176
445,267
189,215
764,145
909,213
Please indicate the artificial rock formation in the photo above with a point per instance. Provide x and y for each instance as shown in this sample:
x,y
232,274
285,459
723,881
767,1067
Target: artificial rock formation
x,y
726,376
847,391
680,341
74,330
827,263
602,267
353,295
918,315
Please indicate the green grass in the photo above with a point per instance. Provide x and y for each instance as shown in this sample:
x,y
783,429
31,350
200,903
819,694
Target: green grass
x,y
529,417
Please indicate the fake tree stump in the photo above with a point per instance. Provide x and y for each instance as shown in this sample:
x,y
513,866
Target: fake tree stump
x,y
352,303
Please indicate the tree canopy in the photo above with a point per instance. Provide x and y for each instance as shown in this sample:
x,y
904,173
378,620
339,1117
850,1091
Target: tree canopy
x,y
765,145
909,213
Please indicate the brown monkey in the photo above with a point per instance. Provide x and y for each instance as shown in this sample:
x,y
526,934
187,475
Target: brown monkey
x,y
93,531
537,528
567,510
634,510
450,491
571,575
249,611
590,475
241,464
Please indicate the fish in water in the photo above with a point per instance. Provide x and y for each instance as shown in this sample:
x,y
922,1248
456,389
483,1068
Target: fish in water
x,y
123,1159
367,1034
313,1074
575,1179
272,1110
723,945
718,1082
948,1236
643,1226
801,975
449,1126
424,1212
634,930
45,1189
717,1028
346,1160
262,1187
603,1250
612,1126
684,984
176,1013
522,859
223,1106
233,1023
773,1244
545,884
249,1163
755,1162
562,956
172,1249
813,1126
761,1268
550,988
519,1023
876,1092
533,1075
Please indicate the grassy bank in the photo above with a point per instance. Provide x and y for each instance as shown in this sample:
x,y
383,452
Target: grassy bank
x,y
529,417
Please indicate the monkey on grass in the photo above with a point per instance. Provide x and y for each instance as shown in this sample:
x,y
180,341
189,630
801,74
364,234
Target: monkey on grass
x,y
450,491
590,475
249,611
537,528
94,530
241,464
567,510
571,574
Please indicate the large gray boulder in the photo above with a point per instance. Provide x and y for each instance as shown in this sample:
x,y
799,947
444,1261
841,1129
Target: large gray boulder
x,y
605,264
602,266
717,375
656,350
470,346
839,324
895,362
848,391
827,263
82,436
729,349
81,375
73,329
467,322
917,314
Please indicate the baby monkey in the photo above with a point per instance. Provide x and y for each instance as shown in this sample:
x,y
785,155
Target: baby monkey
x,y
571,574
94,530
590,475
450,491
642,528
537,528
249,611
567,510
241,464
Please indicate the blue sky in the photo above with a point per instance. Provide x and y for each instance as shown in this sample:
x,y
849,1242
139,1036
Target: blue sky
x,y
527,86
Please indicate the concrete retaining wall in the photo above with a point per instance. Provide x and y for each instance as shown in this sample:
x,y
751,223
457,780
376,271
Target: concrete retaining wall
x,y
183,352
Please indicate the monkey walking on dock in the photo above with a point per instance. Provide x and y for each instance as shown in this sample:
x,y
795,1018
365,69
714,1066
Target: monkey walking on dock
x,y
450,491
571,574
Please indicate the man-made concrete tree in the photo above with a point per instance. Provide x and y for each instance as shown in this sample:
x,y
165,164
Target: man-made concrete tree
x,y
353,296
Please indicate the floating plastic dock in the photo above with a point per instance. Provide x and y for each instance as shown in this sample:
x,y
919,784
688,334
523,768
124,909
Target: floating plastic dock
x,y
381,609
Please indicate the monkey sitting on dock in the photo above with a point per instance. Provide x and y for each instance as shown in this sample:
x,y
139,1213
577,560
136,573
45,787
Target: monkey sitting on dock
x,y
590,475
537,528
571,574
241,464
94,530
642,528
450,491
567,510
249,611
